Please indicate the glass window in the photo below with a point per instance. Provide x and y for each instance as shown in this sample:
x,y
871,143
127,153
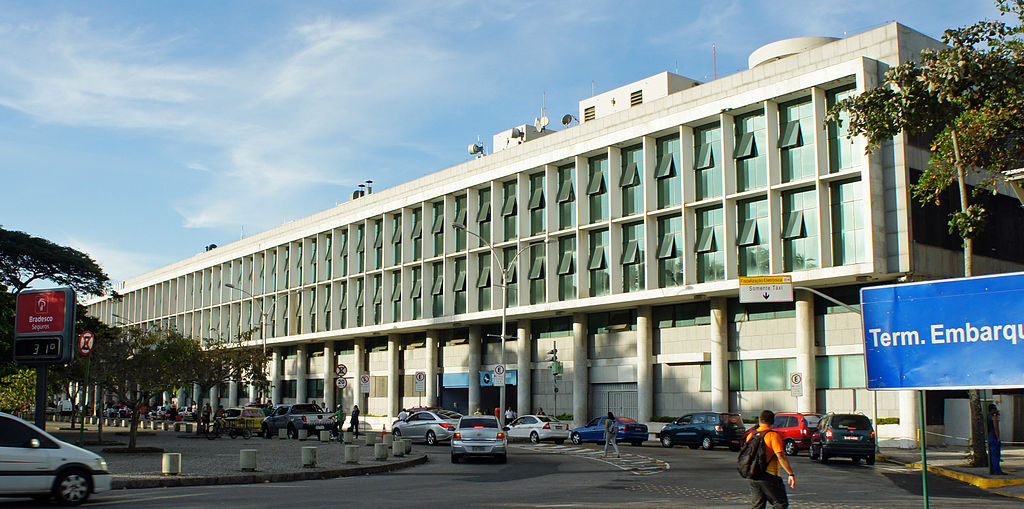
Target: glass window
x,y
536,203
566,196
416,293
752,242
483,216
360,250
705,377
343,305
460,285
849,237
483,282
771,375
396,296
460,218
396,239
751,158
800,230
633,257
667,172
631,180
710,249
796,140
840,372
707,159
437,289
567,268
437,228
600,279
378,299
841,152
512,276
416,233
670,253
359,301
508,210
537,274
597,188
682,315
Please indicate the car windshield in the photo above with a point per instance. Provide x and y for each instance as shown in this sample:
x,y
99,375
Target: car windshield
x,y
305,409
851,422
233,412
478,422
252,412
812,420
448,414
544,418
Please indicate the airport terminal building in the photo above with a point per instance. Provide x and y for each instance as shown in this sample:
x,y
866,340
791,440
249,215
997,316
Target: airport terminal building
x,y
617,242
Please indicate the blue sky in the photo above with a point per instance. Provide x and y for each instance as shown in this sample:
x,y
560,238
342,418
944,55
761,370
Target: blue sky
x,y
140,132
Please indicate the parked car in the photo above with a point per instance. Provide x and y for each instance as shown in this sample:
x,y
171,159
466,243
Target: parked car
x,y
538,428
846,435
295,417
796,430
40,466
479,435
704,430
629,431
246,417
431,426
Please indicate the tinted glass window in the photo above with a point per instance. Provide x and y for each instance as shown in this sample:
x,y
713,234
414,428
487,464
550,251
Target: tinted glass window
x,y
473,422
698,419
812,420
685,419
731,419
448,414
305,409
529,420
16,434
545,418
851,422
281,411
594,422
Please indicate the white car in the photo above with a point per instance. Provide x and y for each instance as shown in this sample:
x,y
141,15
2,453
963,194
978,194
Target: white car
x,y
35,464
538,428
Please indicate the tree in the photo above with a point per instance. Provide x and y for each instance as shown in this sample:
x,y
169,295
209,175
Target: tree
x,y
220,361
17,391
25,259
969,96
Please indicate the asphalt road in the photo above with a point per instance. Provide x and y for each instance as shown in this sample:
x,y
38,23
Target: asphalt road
x,y
569,477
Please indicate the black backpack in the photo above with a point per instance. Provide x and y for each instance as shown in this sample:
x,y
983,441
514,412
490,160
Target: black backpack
x,y
752,462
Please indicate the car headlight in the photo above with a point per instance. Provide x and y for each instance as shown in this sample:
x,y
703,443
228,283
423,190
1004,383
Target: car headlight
x,y
101,464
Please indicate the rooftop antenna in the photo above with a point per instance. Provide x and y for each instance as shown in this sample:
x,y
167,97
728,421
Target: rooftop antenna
x,y
677,66
714,57
476,149
541,122
592,93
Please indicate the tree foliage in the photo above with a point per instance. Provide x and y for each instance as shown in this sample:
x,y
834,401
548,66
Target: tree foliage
x,y
221,361
25,259
17,390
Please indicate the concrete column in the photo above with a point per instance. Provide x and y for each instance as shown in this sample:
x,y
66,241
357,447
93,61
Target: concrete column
x,y
524,360
805,351
475,340
300,374
580,375
644,368
252,393
181,397
719,356
330,361
275,376
214,397
197,396
232,393
394,375
910,423
358,349
432,352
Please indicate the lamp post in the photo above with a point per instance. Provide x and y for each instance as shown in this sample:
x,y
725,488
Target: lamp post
x,y
263,331
505,270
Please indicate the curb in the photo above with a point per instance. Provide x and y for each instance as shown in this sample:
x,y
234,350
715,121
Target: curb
x,y
257,478
976,480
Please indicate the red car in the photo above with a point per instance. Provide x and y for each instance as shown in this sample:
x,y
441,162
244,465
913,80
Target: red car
x,y
796,430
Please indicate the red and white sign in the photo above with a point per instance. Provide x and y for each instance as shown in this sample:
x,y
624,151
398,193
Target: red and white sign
x,y
41,312
421,382
364,384
86,342
341,370
340,383
499,375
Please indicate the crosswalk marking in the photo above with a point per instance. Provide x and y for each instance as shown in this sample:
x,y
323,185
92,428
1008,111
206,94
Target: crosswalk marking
x,y
632,463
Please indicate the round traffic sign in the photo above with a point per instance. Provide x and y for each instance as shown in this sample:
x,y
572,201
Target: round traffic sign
x,y
421,376
499,369
795,379
364,379
340,383
341,370
86,342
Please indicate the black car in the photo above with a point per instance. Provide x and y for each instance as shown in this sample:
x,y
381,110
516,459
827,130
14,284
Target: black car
x,y
843,435
705,430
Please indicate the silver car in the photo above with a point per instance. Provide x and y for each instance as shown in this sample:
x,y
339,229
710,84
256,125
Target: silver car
x,y
538,428
479,435
431,426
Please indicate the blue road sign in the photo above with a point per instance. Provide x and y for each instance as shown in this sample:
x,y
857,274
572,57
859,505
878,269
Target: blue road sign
x,y
965,333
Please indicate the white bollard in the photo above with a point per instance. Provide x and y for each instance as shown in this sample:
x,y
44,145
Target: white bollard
x,y
351,454
380,452
177,427
309,457
167,426
188,428
389,439
303,434
325,436
247,460
282,434
171,463
398,448
408,445
371,438
346,437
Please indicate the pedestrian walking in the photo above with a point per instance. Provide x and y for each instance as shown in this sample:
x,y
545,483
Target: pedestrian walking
x,y
510,414
770,488
205,417
611,433
403,415
455,407
353,424
540,411
995,446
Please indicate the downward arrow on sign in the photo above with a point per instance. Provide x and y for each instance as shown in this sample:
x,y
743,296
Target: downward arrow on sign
x,y
765,295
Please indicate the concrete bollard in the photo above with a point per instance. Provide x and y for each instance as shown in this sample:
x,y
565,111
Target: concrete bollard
x,y
167,426
398,448
389,439
351,454
123,423
325,436
146,424
303,434
380,452
282,434
247,460
346,437
309,457
371,438
177,427
408,445
188,428
171,463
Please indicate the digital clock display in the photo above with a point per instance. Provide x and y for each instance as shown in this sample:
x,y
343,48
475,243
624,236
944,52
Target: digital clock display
x,y
28,350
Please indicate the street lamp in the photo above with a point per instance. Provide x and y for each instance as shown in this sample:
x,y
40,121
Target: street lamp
x,y
505,272
263,322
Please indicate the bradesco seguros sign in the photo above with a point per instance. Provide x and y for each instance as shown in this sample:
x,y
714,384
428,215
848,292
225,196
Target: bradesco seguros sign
x,y
45,326
950,334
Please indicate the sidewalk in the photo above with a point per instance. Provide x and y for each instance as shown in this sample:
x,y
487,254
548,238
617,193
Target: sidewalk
x,y
949,462
205,462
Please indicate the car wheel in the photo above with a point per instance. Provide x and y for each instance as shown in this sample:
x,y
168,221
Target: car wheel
x,y
666,441
431,438
534,437
576,438
855,460
812,453
870,460
455,458
72,487
791,449
293,433
707,444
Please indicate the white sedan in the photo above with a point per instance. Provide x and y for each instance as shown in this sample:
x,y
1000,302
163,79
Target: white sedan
x,y
538,428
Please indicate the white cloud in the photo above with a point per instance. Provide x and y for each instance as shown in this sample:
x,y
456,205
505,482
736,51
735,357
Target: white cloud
x,y
119,264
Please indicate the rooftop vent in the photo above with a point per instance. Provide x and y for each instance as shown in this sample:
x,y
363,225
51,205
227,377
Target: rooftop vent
x,y
784,48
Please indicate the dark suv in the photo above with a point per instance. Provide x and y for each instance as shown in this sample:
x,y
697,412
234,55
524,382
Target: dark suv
x,y
845,435
704,430
796,430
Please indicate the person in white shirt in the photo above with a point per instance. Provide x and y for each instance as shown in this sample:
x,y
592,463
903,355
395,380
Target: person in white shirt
x,y
403,415
510,414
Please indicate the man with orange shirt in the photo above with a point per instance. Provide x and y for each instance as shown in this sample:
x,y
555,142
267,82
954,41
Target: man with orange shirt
x,y
771,488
